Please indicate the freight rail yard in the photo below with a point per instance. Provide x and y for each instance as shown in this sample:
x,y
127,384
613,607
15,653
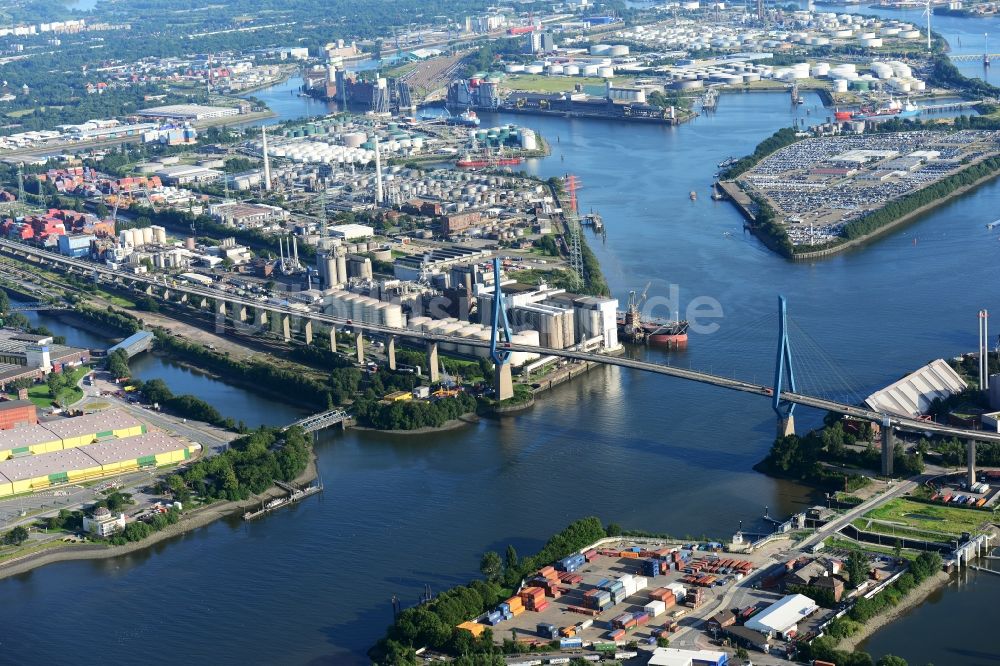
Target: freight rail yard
x,y
817,186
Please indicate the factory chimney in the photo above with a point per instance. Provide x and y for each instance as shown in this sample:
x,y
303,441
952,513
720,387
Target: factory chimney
x,y
267,160
378,174
295,249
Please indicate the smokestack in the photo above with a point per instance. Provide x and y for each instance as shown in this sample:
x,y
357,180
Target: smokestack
x,y
267,160
295,248
378,174
281,252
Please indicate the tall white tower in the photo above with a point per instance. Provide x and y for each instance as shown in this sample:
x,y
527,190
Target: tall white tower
x,y
379,194
928,11
267,160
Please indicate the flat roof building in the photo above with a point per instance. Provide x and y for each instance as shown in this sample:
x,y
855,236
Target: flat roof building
x,y
183,174
68,433
28,473
783,616
675,657
188,112
15,413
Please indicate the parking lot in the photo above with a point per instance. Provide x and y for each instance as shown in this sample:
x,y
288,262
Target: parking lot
x,y
818,185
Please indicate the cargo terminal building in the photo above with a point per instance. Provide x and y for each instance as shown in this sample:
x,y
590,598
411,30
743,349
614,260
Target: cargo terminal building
x,y
86,447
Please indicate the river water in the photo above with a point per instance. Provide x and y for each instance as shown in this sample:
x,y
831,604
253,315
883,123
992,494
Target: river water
x,y
312,584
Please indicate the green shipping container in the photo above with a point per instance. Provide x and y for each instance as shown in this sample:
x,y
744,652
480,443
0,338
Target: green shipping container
x,y
60,477
145,461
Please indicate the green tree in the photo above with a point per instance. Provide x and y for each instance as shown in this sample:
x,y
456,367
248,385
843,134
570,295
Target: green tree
x,y
490,565
16,536
891,660
511,561
118,364
613,529
857,568
742,654
56,383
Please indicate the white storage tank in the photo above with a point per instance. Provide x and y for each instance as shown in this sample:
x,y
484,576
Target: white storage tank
x,y
571,70
589,70
483,335
392,315
355,139
450,329
514,68
526,338
820,69
528,140
555,69
606,72
840,85
469,331
534,69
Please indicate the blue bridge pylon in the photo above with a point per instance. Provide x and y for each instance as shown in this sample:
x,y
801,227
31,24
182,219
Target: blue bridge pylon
x,y
782,366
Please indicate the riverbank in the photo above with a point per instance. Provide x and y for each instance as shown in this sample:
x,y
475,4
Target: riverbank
x,y
909,602
189,521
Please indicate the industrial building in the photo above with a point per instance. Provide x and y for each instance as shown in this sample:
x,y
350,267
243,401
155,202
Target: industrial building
x,y
352,231
184,174
782,617
247,215
24,355
913,394
562,319
29,473
434,262
69,433
188,112
15,413
77,245
133,344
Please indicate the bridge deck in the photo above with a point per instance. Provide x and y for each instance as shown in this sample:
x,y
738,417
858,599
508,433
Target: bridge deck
x,y
899,422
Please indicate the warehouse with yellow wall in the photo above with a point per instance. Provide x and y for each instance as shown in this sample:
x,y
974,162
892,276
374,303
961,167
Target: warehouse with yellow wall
x,y
29,473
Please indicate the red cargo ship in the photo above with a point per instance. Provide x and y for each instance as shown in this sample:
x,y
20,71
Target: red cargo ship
x,y
632,328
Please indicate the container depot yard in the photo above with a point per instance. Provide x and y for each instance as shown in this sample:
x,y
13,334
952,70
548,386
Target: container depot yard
x,y
817,186
619,592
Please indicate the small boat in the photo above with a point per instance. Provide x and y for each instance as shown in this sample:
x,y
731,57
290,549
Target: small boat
x,y
693,195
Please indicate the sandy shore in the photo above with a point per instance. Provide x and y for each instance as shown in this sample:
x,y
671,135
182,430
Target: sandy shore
x,y
189,521
910,601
